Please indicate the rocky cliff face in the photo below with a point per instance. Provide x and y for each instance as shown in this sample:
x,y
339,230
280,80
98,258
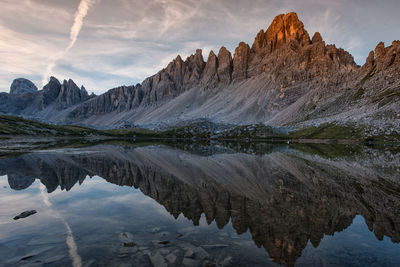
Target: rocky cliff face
x,y
368,95
115,100
284,78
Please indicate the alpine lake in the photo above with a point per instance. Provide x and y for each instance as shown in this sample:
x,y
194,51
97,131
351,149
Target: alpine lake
x,y
201,204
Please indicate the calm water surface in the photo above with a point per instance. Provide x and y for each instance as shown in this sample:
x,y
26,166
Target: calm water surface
x,y
194,205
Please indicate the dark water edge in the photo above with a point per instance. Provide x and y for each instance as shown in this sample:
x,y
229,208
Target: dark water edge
x,y
201,204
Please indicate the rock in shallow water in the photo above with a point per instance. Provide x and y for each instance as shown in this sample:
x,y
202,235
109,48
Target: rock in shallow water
x,y
25,214
129,244
157,259
171,258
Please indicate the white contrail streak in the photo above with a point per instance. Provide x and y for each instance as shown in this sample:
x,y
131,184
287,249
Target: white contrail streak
x,y
80,14
72,248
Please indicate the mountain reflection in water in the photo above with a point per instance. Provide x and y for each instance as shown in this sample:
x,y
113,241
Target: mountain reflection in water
x,y
285,198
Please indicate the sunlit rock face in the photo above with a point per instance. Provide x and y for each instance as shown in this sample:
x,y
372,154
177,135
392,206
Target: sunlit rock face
x,y
284,199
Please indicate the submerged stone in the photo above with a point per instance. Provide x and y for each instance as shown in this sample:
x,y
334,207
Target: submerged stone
x,y
25,214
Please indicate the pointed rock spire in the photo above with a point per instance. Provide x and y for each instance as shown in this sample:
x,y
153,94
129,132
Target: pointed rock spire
x,y
380,50
260,42
385,57
194,67
50,92
224,65
370,61
210,76
317,38
240,61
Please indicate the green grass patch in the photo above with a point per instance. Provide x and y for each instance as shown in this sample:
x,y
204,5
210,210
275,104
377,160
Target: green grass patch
x,y
328,131
359,94
130,132
254,131
368,76
12,125
386,96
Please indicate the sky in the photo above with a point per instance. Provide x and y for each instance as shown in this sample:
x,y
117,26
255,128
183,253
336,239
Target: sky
x,y
102,44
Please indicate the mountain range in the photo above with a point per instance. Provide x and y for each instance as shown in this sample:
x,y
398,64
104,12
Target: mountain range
x,y
285,79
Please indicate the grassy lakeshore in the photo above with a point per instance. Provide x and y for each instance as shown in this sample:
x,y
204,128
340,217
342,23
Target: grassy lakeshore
x,y
18,130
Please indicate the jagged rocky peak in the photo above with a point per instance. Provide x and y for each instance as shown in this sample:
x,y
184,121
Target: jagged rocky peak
x,y
259,42
218,69
174,68
50,92
70,95
196,58
176,78
183,72
286,27
380,50
194,67
385,57
84,92
370,61
317,38
70,85
286,45
64,95
53,85
22,86
283,29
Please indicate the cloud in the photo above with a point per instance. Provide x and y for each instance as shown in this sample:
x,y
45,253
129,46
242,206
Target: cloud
x,y
125,41
24,54
80,14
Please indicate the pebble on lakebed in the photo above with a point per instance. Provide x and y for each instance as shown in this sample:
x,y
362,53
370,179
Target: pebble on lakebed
x,y
25,214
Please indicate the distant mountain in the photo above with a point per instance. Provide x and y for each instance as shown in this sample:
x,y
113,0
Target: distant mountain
x,y
22,86
52,103
285,78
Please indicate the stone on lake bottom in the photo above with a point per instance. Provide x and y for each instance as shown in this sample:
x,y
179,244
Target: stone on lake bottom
x,y
25,214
